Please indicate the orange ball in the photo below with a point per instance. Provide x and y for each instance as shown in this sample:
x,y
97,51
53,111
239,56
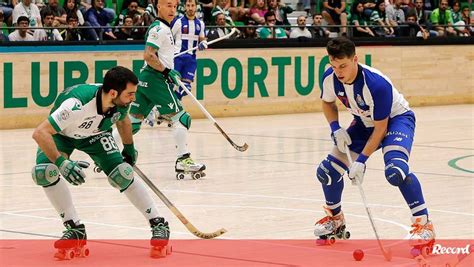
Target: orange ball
x,y
358,254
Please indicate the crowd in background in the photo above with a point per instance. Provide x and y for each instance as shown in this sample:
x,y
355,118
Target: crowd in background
x,y
127,19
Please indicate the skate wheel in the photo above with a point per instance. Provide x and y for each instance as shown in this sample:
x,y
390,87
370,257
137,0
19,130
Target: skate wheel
x,y
180,176
158,252
85,252
346,235
196,176
97,169
169,125
425,251
332,240
70,255
158,122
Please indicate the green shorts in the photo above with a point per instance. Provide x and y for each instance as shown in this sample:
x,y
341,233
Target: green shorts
x,y
101,148
154,90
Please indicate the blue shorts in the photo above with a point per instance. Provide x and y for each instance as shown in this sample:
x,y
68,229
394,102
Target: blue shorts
x,y
400,133
186,65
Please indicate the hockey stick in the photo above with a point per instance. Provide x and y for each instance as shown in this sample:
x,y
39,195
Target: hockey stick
x,y
176,212
209,43
241,148
386,252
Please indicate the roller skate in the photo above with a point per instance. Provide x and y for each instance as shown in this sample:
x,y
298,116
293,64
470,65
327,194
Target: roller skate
x,y
186,165
151,118
73,243
422,236
160,238
163,119
330,228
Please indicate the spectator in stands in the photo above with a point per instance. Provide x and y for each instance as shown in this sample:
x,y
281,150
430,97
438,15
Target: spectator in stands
x,y
72,32
301,31
442,19
222,7
317,30
335,14
29,10
360,22
458,22
150,13
369,7
395,15
49,33
58,12
379,17
72,10
415,29
125,32
238,10
249,32
6,10
21,34
429,5
281,11
207,7
257,12
271,32
3,28
468,19
222,29
420,12
97,16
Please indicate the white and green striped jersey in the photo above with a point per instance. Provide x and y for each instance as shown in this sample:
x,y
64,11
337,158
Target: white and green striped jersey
x,y
159,36
77,112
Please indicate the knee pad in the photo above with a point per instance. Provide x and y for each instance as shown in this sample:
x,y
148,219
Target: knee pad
x,y
122,176
330,169
183,118
45,174
396,168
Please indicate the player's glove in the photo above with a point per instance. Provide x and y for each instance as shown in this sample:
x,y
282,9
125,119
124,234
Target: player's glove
x,y
172,76
340,136
357,169
72,170
129,154
202,45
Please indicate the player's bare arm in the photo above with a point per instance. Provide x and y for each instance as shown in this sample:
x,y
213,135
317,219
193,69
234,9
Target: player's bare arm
x,y
124,128
380,130
43,135
151,58
330,111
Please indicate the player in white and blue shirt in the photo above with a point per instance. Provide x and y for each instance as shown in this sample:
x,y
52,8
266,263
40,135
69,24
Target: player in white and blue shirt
x,y
188,32
382,119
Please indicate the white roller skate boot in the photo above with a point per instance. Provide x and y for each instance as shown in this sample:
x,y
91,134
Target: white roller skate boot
x,y
186,165
330,228
422,236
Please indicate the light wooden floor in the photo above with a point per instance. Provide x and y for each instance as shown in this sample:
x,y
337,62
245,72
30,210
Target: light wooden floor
x,y
270,191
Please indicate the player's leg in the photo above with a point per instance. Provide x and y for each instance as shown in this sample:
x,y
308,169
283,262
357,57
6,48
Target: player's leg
x,y
143,104
396,148
47,175
104,151
186,65
169,106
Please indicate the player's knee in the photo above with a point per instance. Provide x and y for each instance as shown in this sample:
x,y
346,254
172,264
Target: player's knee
x,y
396,170
45,174
183,118
330,169
121,177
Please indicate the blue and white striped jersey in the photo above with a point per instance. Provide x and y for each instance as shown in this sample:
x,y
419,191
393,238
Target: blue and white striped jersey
x,y
371,97
186,33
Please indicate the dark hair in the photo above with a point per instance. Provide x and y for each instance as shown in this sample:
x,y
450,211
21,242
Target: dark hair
x,y
72,16
268,14
340,47
317,14
46,12
117,78
22,18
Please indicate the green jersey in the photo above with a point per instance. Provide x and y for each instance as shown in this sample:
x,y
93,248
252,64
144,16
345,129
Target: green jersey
x,y
439,17
77,112
160,37
265,33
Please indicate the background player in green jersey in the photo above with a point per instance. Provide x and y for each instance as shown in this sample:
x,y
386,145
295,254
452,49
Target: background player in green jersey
x,y
82,118
155,88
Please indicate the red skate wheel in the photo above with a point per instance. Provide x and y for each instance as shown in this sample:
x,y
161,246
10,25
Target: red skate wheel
x,y
332,240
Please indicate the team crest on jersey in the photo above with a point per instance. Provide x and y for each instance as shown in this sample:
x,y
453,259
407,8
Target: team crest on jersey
x,y
185,29
63,115
154,35
115,117
359,100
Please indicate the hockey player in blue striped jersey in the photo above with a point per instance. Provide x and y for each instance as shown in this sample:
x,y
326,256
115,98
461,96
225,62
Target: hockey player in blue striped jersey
x,y
382,119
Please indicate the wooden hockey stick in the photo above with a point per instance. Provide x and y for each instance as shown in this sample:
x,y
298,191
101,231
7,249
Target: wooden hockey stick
x,y
209,43
241,148
176,212
386,252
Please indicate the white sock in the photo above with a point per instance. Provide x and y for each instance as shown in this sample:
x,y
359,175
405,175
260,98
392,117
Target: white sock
x,y
180,134
60,196
141,199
